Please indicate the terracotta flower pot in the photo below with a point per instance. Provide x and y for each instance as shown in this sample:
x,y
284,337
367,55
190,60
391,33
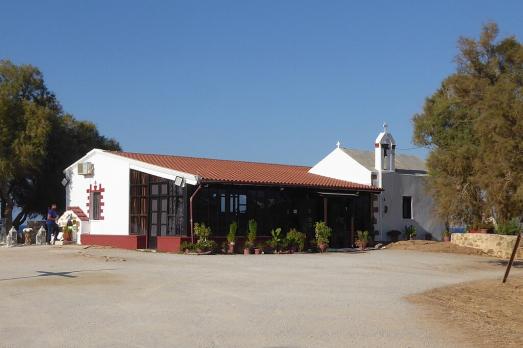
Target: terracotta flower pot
x,y
363,246
257,251
323,247
231,248
446,238
246,251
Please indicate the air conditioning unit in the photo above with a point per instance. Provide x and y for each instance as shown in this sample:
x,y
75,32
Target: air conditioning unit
x,y
86,168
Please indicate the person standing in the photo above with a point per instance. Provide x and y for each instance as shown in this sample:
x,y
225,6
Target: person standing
x,y
52,227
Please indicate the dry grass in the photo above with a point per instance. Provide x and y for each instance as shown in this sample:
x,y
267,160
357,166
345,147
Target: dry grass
x,y
487,312
433,246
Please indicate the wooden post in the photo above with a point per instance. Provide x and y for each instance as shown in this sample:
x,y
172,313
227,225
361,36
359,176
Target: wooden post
x,y
352,226
190,210
325,210
509,266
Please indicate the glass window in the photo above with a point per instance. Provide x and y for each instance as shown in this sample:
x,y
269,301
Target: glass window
x,y
242,206
223,205
154,189
96,209
407,207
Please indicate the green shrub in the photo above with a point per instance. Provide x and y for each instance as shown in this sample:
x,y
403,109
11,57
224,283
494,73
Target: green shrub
x,y
508,228
410,232
275,241
251,233
185,245
296,239
205,245
231,236
201,231
363,236
323,232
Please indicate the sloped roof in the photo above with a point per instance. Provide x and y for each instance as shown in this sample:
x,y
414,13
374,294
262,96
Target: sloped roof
x,y
241,172
404,163
79,212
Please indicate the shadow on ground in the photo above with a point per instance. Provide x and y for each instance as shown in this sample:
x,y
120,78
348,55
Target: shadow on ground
x,y
65,274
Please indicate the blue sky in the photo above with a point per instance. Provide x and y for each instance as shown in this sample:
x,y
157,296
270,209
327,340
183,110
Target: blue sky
x,y
273,81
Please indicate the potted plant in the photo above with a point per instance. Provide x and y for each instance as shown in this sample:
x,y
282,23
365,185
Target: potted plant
x,y
231,237
394,235
258,249
186,247
446,236
485,227
67,233
410,232
323,233
295,240
251,236
275,242
203,245
363,239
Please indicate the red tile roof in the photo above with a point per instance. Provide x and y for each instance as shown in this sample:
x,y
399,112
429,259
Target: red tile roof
x,y
240,172
79,212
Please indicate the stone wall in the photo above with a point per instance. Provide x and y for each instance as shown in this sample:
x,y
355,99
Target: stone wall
x,y
492,244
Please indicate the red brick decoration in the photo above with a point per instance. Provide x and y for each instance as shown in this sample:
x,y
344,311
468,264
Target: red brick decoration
x,y
89,191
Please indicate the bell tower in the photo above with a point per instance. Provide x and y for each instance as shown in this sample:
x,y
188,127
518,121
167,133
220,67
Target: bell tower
x,y
385,151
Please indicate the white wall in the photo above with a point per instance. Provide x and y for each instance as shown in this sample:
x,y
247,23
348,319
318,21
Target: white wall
x,y
424,217
339,165
113,174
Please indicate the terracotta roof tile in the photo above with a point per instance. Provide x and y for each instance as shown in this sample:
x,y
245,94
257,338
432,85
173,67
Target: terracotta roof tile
x,y
241,172
79,212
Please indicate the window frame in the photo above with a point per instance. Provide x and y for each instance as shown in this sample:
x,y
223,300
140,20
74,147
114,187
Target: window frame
x,y
95,205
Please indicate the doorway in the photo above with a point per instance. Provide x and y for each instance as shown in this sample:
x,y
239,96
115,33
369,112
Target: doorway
x,y
158,213
341,220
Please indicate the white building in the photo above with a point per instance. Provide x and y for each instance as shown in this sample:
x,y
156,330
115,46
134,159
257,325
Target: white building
x,y
137,200
404,201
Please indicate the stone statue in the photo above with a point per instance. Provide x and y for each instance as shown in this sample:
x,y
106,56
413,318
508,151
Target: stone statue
x,y
27,235
12,237
41,236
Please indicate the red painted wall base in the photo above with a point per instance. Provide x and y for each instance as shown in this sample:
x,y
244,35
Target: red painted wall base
x,y
170,244
124,242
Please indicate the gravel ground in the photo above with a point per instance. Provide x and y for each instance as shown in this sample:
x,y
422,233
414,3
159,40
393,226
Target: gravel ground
x,y
71,296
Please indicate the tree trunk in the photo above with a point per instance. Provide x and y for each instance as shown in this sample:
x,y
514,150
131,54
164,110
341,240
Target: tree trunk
x,y
8,214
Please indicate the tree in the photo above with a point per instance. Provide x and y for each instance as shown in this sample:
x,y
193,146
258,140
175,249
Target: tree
x,y
473,126
37,141
26,110
68,140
